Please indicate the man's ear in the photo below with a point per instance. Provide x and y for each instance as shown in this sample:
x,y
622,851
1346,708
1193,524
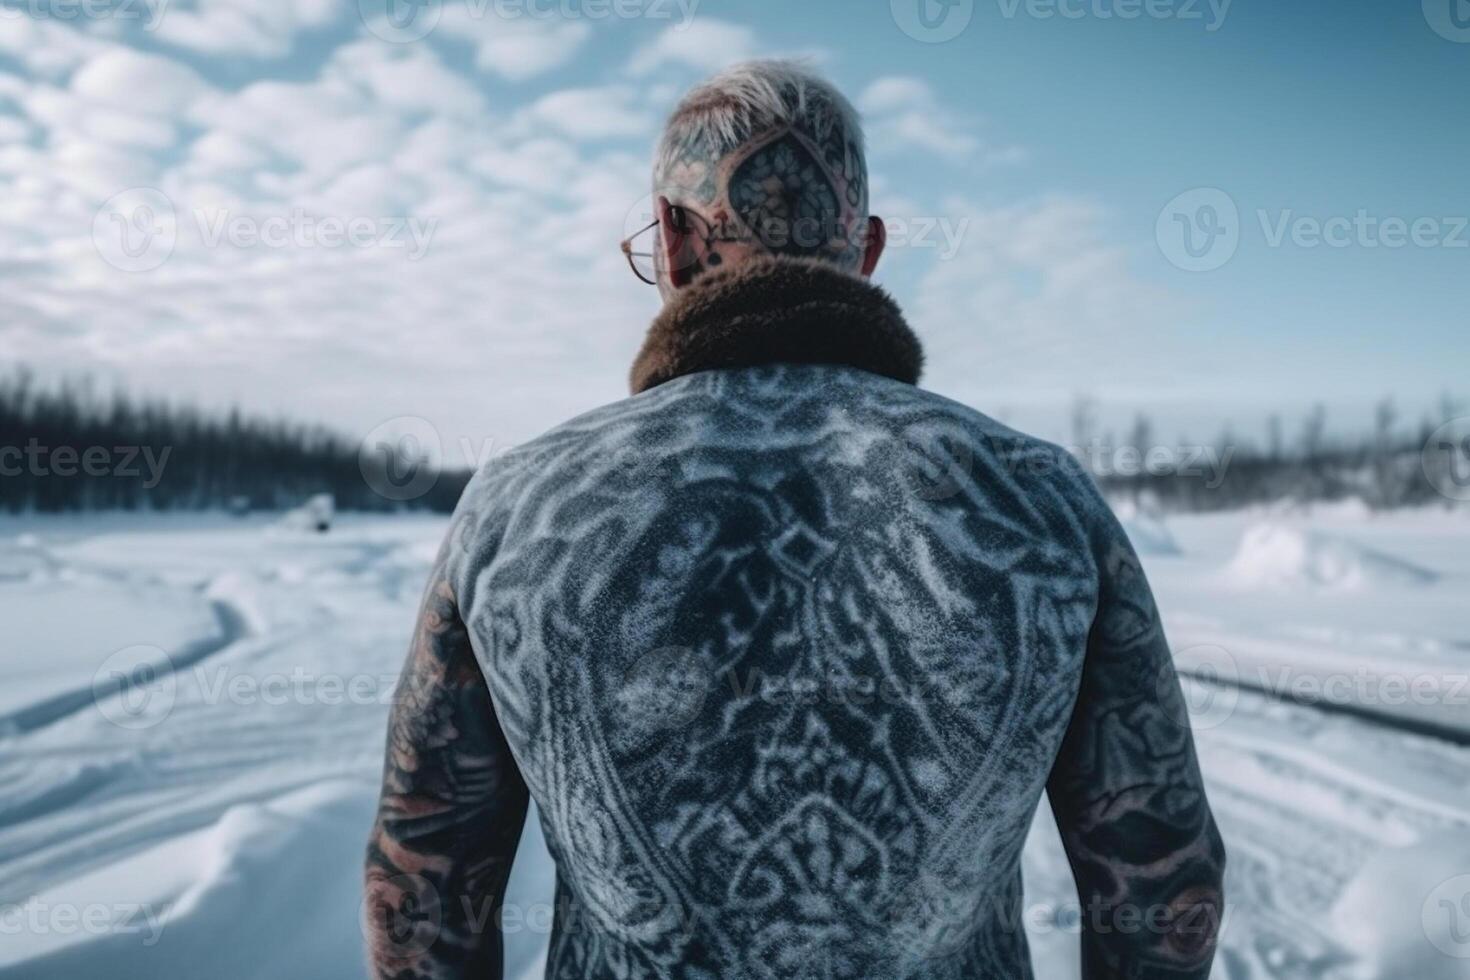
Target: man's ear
x,y
673,240
877,241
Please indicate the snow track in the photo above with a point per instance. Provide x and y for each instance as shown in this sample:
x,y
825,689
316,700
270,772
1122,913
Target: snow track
x,y
225,831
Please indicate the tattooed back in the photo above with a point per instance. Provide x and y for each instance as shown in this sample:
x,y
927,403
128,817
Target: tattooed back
x,y
785,657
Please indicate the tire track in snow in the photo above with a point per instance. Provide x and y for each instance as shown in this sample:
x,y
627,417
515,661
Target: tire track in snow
x,y
1386,717
233,626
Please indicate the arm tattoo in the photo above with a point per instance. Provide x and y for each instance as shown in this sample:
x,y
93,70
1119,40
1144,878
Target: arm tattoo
x,y
1130,802
451,811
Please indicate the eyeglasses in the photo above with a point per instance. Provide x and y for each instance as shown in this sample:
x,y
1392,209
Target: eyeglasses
x,y
642,259
642,262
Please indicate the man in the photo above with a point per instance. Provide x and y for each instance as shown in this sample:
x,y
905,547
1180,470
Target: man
x,y
784,648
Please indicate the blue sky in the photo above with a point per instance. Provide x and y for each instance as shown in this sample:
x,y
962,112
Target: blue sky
x,y
1042,164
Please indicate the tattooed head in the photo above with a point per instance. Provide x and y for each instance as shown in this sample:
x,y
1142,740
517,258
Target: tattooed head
x,y
767,158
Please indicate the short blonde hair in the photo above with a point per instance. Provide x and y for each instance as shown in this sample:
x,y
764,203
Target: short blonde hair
x,y
733,113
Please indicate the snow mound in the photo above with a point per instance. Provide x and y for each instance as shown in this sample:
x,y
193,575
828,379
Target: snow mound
x,y
1348,509
1403,914
1273,555
270,890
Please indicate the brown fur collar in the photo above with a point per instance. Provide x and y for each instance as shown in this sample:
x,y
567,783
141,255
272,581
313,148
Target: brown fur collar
x,y
778,311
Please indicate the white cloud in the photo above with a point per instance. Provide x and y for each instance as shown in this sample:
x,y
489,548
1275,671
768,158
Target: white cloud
x,y
903,114
512,207
13,130
544,165
515,48
258,28
405,77
520,312
895,94
705,44
46,48
137,82
1037,303
222,152
321,127
591,113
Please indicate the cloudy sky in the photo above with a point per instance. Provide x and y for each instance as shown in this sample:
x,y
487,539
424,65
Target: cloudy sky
x,y
352,212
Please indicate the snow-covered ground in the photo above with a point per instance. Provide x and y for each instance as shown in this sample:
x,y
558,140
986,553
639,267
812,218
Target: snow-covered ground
x,y
192,712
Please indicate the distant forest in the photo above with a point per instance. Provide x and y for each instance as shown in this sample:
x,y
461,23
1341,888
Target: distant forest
x,y
64,447
1392,464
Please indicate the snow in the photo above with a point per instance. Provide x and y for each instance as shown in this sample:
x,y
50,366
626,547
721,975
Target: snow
x,y
1272,556
1148,532
213,818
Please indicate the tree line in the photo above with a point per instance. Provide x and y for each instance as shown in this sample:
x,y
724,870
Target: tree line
x,y
1389,465
65,447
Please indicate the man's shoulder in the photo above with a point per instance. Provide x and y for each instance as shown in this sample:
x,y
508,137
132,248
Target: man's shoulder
x,y
1029,458
755,404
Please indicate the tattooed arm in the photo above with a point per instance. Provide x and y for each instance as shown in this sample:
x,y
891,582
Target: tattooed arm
x,y
451,810
1128,796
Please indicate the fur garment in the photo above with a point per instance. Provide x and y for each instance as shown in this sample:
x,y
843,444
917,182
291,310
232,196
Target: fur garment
x,y
778,311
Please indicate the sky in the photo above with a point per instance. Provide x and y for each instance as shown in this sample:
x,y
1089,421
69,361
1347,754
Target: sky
x,y
394,213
